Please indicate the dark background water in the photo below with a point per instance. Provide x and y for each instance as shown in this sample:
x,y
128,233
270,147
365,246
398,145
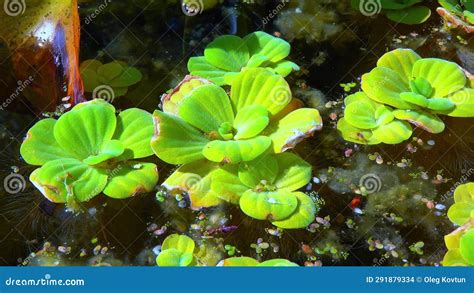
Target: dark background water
x,y
158,38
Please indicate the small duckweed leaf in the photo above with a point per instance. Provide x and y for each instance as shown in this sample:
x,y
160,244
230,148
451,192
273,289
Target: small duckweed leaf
x,y
294,172
206,108
227,52
39,146
242,261
466,247
304,214
445,77
235,151
200,67
250,121
195,179
227,185
85,130
277,263
174,258
356,135
264,168
464,101
64,179
171,100
181,243
385,85
128,77
394,132
112,149
129,179
135,131
411,15
259,86
293,128
424,120
261,43
176,142
401,61
276,205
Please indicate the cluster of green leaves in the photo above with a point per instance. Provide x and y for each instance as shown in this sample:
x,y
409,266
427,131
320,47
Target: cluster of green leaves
x,y
216,137
463,9
90,150
244,261
460,243
405,88
227,55
116,74
177,251
401,11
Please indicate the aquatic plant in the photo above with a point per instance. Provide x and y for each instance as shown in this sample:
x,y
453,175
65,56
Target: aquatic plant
x,y
244,261
401,11
265,189
88,151
227,55
108,81
177,251
203,128
368,122
458,13
463,208
406,87
460,246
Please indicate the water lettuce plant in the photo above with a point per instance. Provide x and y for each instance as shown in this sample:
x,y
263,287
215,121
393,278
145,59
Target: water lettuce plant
x,y
406,87
90,150
116,75
401,11
266,189
177,251
458,13
463,208
460,246
227,55
244,261
203,128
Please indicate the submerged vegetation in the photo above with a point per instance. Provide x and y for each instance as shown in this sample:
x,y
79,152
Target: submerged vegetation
x,y
269,153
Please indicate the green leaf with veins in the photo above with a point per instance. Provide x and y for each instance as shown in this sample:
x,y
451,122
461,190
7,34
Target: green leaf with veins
x,y
268,205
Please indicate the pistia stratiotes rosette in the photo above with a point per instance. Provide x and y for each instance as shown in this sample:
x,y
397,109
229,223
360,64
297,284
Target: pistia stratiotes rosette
x,y
266,189
227,55
412,89
203,128
177,251
460,246
90,150
401,11
115,76
460,243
